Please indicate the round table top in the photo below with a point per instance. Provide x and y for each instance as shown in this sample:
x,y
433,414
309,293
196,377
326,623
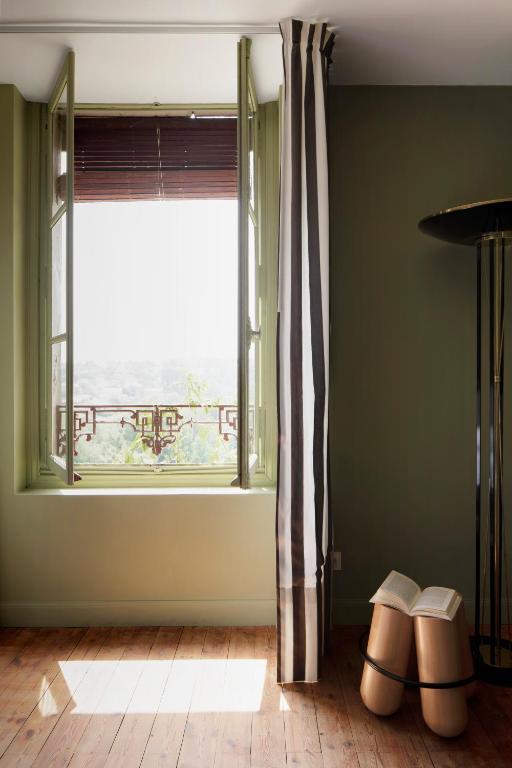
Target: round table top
x,y
465,224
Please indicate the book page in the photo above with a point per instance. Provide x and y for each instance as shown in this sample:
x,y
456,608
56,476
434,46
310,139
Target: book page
x,y
403,591
436,599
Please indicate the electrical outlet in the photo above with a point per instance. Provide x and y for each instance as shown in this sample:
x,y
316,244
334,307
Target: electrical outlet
x,y
336,561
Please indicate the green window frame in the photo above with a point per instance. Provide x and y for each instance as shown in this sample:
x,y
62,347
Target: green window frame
x,y
59,271
43,470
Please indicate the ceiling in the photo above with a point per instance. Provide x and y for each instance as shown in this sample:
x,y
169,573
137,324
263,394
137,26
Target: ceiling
x,y
139,68
445,42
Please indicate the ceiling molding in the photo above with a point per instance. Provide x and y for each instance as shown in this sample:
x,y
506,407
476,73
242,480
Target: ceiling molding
x,y
137,28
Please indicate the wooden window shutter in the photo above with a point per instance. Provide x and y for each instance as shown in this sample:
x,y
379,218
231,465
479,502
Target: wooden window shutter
x,y
155,158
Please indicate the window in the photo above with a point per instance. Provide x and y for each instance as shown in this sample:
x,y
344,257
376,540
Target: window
x,y
157,346
155,290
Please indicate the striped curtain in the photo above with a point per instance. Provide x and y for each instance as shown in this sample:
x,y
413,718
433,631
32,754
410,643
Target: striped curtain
x,y
303,526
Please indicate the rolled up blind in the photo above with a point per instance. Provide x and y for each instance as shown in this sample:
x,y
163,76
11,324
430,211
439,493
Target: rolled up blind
x,y
155,158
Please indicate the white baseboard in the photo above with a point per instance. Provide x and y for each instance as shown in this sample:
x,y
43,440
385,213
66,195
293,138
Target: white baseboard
x,y
213,613
138,613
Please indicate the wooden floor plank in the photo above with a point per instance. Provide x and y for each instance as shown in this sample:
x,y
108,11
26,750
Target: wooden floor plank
x,y
336,738
101,729
330,704
202,728
304,759
336,753
32,675
475,741
166,736
245,676
69,734
300,724
12,643
494,716
464,759
268,745
172,698
386,741
130,743
31,738
34,659
349,674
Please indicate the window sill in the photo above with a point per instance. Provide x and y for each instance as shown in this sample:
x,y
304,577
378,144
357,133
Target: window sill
x,y
132,481
149,491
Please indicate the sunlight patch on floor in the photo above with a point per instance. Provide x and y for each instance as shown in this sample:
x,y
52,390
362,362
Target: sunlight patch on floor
x,y
47,704
182,685
283,704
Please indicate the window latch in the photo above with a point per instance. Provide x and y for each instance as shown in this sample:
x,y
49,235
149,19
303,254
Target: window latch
x,y
252,333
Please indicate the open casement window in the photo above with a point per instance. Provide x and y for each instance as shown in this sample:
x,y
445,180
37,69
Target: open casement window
x,y
249,268
127,425
59,334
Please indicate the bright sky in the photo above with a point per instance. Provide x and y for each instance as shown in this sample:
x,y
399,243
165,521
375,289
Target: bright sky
x,y
155,280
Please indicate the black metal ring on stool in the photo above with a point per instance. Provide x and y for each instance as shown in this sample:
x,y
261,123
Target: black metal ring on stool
x,y
397,678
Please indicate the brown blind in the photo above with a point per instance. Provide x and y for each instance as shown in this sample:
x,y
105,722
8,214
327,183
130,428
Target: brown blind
x,y
155,158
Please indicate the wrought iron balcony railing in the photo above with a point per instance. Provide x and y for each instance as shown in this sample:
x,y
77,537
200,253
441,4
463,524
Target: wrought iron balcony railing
x,y
157,425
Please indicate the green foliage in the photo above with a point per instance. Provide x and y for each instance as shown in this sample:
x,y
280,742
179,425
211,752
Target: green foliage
x,y
195,389
194,443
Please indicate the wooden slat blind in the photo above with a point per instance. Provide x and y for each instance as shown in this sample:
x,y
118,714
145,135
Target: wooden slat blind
x,y
155,158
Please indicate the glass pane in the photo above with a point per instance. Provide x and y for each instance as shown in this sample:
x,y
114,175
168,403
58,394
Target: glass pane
x,y
253,394
252,275
255,322
252,289
59,277
252,159
155,383
59,154
59,426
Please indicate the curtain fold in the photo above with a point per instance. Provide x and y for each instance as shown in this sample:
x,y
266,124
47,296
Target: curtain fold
x,y
303,522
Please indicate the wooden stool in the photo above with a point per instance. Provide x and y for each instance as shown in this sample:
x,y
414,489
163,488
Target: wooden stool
x,y
438,645
389,645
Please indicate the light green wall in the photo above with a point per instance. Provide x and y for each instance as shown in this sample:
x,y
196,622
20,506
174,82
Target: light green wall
x,y
133,559
12,281
77,557
403,329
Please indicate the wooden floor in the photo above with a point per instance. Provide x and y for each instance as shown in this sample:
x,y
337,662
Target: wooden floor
x,y
155,697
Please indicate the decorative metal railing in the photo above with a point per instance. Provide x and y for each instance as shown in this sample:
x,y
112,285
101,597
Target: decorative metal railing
x,y
157,425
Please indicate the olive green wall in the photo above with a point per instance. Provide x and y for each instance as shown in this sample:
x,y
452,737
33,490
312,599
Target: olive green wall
x,y
402,437
403,329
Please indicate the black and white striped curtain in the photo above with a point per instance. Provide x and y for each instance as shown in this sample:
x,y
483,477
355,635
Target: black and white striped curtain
x,y
303,527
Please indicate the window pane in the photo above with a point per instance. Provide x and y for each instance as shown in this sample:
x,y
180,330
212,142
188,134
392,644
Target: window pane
x,y
155,355
254,348
253,314
59,426
253,398
59,134
252,287
59,277
252,159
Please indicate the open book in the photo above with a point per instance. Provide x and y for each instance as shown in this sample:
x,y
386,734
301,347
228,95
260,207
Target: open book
x,y
398,591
